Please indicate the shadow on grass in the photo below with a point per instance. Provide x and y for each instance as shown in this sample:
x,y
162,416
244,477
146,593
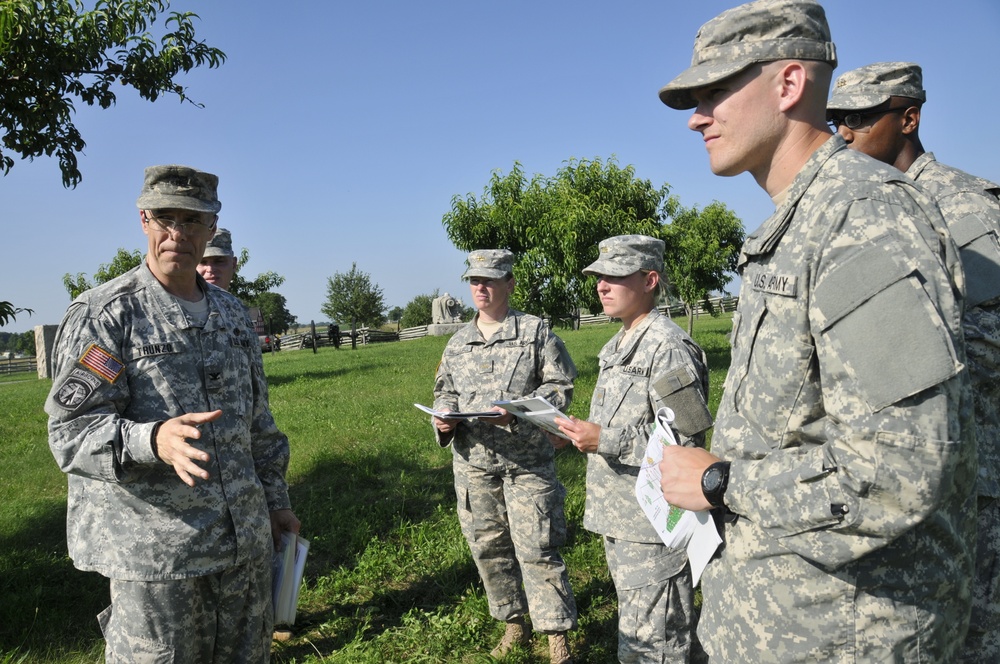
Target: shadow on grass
x,y
48,605
310,375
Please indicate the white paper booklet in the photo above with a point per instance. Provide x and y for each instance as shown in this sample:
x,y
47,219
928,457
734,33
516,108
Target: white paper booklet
x,y
288,565
452,415
675,526
537,410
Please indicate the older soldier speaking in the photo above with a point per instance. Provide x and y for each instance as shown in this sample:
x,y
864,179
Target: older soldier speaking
x,y
510,503
842,451
877,110
159,416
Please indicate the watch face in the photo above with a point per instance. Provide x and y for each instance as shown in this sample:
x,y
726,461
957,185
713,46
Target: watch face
x,y
711,480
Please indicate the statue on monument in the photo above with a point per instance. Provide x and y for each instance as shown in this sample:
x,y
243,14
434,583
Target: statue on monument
x,y
446,309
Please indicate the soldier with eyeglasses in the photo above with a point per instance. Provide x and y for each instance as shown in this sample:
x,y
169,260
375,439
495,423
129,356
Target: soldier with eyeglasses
x,y
860,105
159,416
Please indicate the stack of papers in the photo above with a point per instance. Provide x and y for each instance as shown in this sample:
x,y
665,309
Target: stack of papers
x,y
675,526
288,565
537,410
451,415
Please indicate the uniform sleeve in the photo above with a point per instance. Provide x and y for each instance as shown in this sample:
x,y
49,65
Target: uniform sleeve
x,y
676,376
88,435
886,447
555,370
269,445
445,397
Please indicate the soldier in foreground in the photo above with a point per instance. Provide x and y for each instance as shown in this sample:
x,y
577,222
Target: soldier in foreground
x,y
650,363
877,110
842,453
510,503
218,265
159,416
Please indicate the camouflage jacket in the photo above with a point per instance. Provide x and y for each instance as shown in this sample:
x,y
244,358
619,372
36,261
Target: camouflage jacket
x,y
972,211
125,359
846,415
659,365
523,358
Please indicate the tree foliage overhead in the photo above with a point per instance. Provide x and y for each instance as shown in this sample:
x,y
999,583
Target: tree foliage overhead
x,y
123,261
553,225
702,250
352,298
53,52
8,312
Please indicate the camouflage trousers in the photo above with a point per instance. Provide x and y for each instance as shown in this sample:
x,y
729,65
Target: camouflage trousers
x,y
219,618
514,524
655,602
983,641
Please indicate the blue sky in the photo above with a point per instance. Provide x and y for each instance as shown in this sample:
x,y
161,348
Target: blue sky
x,y
341,130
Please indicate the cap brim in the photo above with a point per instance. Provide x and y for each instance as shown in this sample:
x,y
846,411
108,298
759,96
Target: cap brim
x,y
856,101
610,269
483,273
677,93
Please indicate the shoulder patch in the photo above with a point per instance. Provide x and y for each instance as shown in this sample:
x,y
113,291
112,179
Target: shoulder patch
x,y
102,363
77,387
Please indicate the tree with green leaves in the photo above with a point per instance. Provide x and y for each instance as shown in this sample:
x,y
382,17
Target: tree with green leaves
x,y
395,314
123,261
249,290
53,52
702,249
351,297
8,312
553,225
274,308
419,311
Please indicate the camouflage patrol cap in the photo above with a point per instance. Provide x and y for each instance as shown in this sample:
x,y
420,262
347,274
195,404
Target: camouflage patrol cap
x,y
873,85
761,31
489,264
179,187
221,244
623,255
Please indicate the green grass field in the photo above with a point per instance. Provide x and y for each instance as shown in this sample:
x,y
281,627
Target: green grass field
x,y
389,577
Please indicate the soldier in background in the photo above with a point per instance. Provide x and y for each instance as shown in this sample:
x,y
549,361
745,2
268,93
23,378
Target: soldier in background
x,y
843,453
218,265
877,110
649,364
510,503
158,414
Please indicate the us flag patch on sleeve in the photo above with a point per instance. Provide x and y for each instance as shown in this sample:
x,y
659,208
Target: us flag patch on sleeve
x,y
102,363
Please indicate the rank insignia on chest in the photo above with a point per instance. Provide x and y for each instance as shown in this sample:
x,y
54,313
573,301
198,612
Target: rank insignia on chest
x,y
486,367
102,363
778,284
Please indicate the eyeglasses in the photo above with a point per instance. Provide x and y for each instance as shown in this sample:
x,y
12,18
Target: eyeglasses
x,y
167,224
856,120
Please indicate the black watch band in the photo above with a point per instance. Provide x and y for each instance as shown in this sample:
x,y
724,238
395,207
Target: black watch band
x,y
714,482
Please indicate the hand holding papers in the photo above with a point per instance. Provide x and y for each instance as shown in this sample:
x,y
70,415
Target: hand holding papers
x,y
537,410
450,415
675,526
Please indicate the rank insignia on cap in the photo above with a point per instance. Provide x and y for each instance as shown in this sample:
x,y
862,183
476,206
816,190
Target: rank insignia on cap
x,y
102,363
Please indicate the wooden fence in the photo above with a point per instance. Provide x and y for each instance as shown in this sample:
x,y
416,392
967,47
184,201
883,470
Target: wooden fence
x,y
9,365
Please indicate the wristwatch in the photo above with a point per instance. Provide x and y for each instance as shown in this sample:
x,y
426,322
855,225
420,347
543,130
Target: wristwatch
x,y
714,481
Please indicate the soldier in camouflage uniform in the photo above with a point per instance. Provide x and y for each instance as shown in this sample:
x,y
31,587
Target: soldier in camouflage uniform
x,y
159,416
843,448
648,364
218,265
510,503
877,110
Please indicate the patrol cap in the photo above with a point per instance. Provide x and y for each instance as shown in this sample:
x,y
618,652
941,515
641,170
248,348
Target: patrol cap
x,y
489,264
873,85
623,255
180,187
221,244
761,31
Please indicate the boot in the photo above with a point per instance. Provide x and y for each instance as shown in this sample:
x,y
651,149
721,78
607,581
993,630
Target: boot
x,y
559,649
517,633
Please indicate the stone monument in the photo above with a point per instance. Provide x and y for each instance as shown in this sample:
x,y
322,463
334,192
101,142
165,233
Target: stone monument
x,y
446,315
